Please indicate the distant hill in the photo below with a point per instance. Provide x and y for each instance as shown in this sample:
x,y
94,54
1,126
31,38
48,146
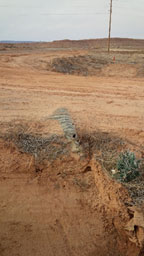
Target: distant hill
x,y
121,43
98,43
16,42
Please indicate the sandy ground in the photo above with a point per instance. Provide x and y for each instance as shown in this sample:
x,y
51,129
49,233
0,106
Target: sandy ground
x,y
109,103
55,219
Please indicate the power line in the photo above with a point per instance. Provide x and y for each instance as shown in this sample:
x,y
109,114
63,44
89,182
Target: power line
x,y
93,13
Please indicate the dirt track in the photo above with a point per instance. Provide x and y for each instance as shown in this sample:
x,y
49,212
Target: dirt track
x,y
56,215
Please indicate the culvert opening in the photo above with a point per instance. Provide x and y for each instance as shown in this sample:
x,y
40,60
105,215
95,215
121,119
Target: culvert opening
x,y
87,169
135,228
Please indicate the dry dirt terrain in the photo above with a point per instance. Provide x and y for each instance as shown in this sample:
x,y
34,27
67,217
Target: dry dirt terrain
x,y
67,109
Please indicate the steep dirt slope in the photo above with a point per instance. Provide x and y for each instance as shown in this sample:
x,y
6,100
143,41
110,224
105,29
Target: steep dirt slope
x,y
65,207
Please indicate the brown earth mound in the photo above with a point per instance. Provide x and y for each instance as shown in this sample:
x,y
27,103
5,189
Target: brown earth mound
x,y
85,65
99,65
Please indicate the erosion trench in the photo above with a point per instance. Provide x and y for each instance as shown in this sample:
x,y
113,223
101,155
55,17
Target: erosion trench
x,y
56,198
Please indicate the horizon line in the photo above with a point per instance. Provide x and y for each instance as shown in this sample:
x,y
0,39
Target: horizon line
x,y
66,39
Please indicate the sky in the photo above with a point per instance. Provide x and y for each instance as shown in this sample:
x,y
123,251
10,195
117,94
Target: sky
x,y
48,20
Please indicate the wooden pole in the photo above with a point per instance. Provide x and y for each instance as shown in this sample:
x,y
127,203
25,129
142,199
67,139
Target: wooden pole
x,y
110,21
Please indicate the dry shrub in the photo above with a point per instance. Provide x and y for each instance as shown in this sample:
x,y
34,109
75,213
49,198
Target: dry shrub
x,y
106,148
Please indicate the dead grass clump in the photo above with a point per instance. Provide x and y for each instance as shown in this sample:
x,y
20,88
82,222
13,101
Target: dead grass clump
x,y
49,147
95,63
84,65
107,147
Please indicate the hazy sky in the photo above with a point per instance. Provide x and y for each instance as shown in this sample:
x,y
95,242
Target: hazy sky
x,y
47,20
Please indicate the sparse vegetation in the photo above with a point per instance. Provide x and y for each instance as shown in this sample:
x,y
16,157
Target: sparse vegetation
x,y
80,65
128,166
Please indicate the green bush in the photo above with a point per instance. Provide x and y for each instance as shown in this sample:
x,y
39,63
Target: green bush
x,y
128,166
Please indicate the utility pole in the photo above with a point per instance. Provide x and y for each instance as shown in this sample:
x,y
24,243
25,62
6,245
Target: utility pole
x,y
110,21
